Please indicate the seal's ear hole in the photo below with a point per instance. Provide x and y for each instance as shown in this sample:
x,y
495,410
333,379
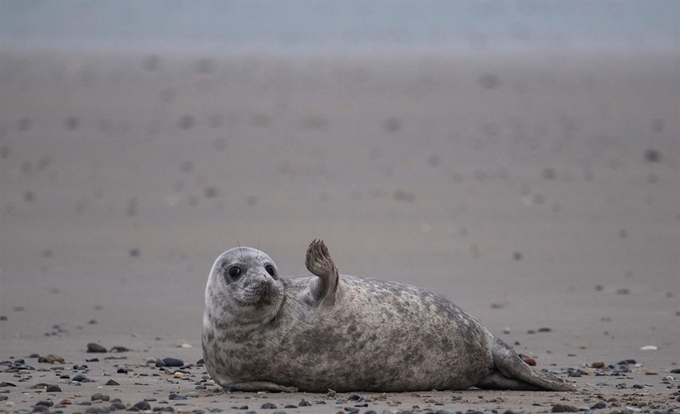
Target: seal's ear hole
x,y
235,272
270,269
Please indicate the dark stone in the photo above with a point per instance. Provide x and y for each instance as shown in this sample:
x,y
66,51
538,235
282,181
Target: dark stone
x,y
305,403
142,406
117,406
53,388
95,348
41,409
559,408
80,378
598,406
100,397
176,397
268,406
45,403
652,155
173,362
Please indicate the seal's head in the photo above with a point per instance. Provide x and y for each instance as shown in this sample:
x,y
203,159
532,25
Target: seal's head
x,y
244,285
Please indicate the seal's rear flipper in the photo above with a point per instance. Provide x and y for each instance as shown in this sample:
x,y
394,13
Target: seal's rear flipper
x,y
498,381
255,386
319,262
516,374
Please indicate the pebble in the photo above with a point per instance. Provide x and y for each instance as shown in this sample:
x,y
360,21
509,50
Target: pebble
x,y
305,403
53,388
80,378
100,397
51,359
172,362
268,406
142,406
118,405
95,348
559,408
598,406
175,397
111,382
597,364
530,361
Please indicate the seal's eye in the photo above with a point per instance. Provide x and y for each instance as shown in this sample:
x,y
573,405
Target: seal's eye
x,y
270,269
234,272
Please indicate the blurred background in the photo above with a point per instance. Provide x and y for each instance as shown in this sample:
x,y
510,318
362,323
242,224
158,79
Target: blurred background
x,y
518,157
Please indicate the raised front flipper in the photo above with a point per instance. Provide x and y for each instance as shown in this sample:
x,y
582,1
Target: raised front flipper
x,y
319,262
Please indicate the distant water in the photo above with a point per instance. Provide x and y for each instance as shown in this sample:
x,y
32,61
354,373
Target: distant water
x,y
628,25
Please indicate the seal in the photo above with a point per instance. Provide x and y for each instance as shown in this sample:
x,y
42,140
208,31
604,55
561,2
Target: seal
x,y
263,332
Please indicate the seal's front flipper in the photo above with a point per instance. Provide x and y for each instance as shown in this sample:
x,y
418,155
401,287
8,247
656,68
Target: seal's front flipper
x,y
259,386
319,262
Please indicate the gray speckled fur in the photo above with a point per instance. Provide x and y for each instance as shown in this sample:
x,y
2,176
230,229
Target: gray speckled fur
x,y
271,333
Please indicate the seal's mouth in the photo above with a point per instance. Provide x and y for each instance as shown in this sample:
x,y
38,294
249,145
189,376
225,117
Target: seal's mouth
x,y
259,294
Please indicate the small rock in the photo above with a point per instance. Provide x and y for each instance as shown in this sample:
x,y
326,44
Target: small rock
x,y
53,388
649,348
80,378
268,406
95,348
175,397
100,397
599,406
559,408
119,349
304,403
111,382
142,406
597,364
51,359
172,362
45,403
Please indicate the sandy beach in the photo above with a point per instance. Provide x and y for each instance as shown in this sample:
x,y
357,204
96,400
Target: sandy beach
x,y
539,192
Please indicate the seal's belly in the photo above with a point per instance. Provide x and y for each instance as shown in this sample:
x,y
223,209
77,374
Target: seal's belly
x,y
383,336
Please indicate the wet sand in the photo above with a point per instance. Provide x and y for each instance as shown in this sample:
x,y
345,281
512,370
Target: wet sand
x,y
537,191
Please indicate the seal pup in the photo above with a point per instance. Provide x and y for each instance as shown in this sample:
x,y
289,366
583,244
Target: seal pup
x,y
262,332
